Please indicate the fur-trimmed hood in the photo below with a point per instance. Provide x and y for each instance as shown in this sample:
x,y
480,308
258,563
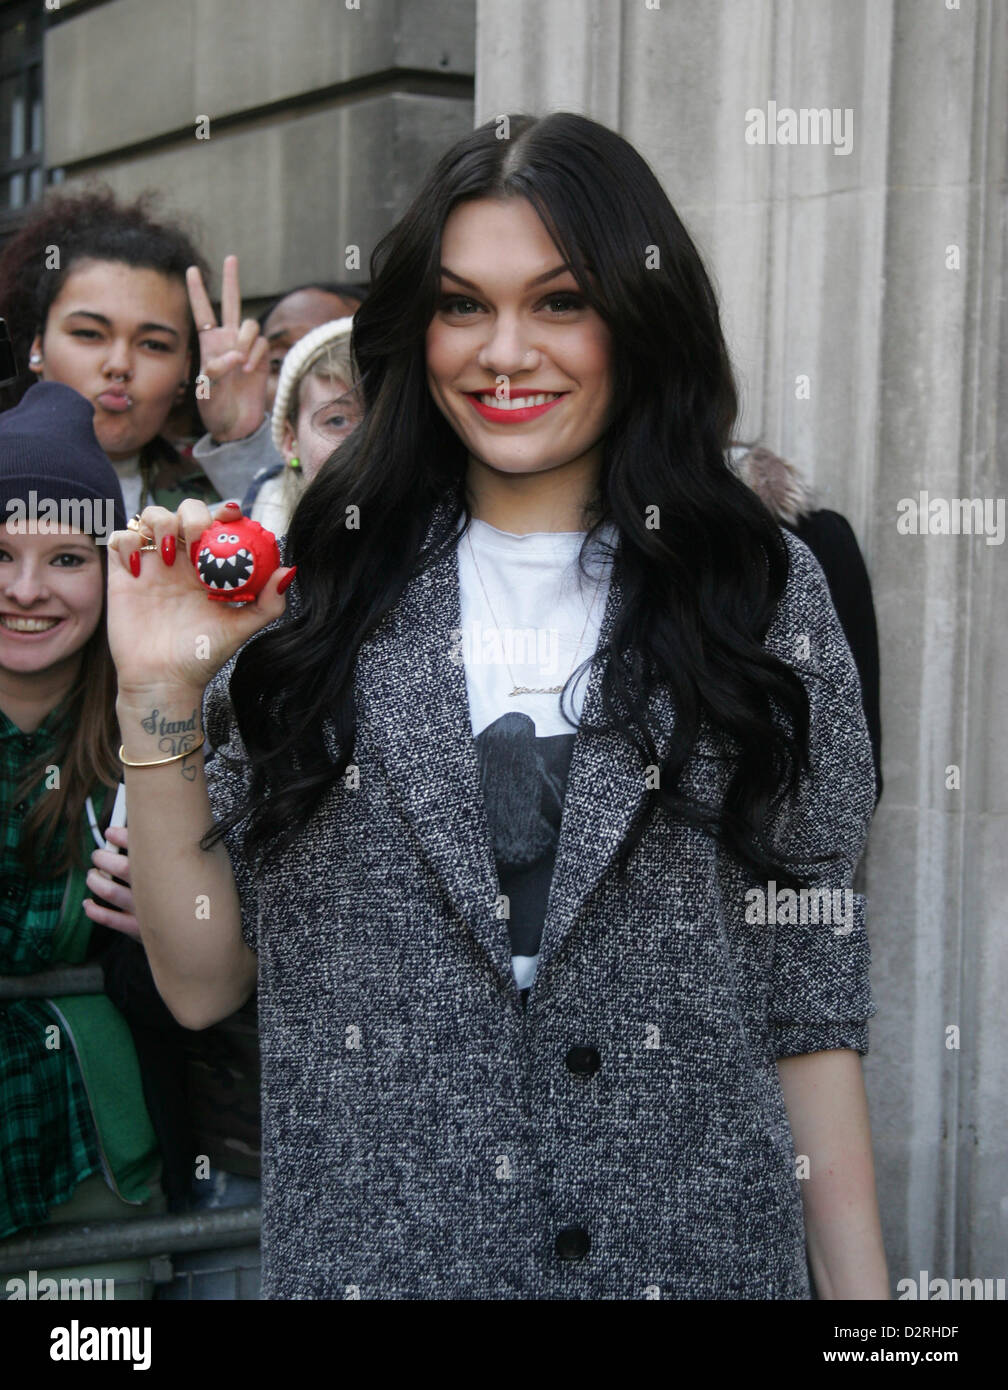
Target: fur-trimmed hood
x,y
778,484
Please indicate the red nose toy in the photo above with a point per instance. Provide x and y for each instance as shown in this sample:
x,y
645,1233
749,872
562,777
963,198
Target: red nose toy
x,y
234,559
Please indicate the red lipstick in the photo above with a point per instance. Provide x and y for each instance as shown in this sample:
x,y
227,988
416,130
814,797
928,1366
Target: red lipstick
x,y
514,415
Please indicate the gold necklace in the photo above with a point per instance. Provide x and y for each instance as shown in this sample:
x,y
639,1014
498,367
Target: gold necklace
x,y
532,689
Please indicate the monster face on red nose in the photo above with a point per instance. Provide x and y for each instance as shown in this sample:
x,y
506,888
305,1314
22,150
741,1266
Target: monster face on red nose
x,y
234,559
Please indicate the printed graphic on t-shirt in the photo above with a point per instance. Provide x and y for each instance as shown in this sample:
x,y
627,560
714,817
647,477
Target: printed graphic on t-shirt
x,y
524,779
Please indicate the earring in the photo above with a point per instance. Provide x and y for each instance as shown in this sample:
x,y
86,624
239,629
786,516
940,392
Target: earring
x,y
35,359
294,463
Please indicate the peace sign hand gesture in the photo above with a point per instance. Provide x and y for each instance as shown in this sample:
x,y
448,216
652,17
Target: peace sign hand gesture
x,y
232,356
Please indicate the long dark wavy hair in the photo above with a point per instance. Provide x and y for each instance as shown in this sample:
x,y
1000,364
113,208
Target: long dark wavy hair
x,y
698,592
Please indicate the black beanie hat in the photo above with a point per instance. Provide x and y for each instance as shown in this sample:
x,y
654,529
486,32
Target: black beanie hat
x,y
48,448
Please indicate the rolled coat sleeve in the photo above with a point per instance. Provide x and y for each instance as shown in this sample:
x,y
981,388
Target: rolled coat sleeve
x,y
820,995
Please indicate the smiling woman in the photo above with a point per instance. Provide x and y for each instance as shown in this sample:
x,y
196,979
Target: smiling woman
x,y
66,570
522,345
518,1038
78,1109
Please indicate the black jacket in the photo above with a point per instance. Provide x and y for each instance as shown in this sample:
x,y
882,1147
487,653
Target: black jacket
x,y
828,535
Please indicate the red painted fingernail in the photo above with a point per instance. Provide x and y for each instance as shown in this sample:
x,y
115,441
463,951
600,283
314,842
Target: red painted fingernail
x,y
286,580
168,549
135,564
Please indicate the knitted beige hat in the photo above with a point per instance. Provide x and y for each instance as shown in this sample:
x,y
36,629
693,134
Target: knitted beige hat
x,y
331,338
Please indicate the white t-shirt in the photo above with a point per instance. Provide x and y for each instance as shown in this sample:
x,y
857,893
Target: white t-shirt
x,y
529,618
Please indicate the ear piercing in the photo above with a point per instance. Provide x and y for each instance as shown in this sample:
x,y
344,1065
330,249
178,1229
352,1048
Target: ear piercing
x,y
35,359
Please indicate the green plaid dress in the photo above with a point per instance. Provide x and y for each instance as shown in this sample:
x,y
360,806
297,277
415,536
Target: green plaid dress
x,y
48,1143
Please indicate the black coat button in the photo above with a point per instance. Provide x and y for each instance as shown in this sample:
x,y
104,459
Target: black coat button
x,y
583,1061
21,807
572,1243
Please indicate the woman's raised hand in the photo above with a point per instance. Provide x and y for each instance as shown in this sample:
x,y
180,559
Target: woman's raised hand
x,y
232,358
165,632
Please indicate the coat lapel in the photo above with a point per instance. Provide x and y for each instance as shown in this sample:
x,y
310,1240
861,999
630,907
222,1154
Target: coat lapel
x,y
606,790
411,692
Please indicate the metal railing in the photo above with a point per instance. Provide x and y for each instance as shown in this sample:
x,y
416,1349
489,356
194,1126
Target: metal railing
x,y
100,1241
64,1245
67,979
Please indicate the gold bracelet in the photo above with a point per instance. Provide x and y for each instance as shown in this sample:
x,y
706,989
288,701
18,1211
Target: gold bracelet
x,y
159,762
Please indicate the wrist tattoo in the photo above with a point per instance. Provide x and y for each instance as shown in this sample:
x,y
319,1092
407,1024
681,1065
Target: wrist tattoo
x,y
174,736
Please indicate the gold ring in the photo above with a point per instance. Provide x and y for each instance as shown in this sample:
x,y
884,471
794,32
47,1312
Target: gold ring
x,y
135,524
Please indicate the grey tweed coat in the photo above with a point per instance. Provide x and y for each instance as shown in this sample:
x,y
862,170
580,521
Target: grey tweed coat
x,y
626,1136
